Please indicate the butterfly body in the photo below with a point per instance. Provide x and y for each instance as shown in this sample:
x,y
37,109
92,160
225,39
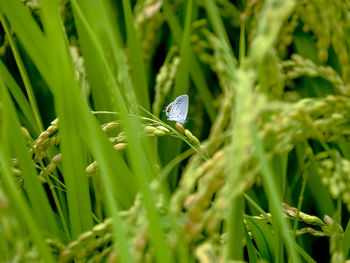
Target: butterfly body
x,y
177,110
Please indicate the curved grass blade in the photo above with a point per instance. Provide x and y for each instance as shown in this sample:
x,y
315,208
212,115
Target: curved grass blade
x,y
25,78
271,190
135,151
252,253
262,234
195,70
20,98
28,31
12,142
140,80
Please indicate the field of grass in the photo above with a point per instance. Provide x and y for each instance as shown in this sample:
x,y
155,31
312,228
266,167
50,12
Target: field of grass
x,y
91,170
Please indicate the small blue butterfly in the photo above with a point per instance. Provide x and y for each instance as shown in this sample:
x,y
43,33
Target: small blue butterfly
x,y
177,110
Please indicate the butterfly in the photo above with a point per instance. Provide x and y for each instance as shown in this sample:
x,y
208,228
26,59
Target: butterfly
x,y
177,110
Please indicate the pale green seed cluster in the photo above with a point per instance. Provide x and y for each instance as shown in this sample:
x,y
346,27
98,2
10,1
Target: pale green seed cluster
x,y
148,22
216,61
125,83
80,73
120,143
46,139
328,21
199,45
250,16
227,10
324,119
209,179
193,139
286,35
271,76
17,173
50,138
14,248
326,227
210,251
313,13
237,181
164,81
156,130
209,50
335,173
222,121
136,218
51,167
299,66
308,219
201,181
85,246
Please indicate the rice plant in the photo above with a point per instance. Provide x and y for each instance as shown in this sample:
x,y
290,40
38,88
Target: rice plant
x,y
102,161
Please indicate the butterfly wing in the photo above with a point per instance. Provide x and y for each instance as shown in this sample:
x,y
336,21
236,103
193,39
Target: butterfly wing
x,y
177,110
182,102
169,109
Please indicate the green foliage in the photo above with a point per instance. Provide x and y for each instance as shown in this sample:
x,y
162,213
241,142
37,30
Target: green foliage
x,y
91,170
